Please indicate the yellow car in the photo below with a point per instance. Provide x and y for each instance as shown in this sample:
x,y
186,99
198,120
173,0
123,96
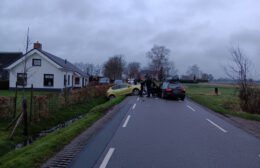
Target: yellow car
x,y
123,89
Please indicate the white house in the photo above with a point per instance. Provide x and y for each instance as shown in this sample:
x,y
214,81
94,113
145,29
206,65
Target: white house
x,y
45,71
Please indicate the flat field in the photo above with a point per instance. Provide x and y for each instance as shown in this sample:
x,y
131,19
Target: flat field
x,y
226,102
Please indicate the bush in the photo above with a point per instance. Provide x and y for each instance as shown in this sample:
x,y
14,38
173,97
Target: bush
x,y
45,105
6,106
250,100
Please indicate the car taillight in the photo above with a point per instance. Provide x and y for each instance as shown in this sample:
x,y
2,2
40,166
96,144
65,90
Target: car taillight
x,y
168,90
183,90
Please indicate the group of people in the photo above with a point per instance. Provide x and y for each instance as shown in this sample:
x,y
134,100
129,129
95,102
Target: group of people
x,y
150,86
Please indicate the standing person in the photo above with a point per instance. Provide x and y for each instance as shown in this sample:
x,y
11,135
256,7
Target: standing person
x,y
142,82
148,85
135,81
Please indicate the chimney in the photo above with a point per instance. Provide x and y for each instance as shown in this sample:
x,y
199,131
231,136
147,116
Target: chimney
x,y
37,45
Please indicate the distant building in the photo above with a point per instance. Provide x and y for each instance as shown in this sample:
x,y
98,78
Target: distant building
x,y
7,58
45,71
187,77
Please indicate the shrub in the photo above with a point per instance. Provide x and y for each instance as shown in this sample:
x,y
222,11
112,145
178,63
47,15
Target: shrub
x,y
6,106
250,100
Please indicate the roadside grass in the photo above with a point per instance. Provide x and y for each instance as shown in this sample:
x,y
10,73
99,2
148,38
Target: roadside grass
x,y
38,152
58,117
227,102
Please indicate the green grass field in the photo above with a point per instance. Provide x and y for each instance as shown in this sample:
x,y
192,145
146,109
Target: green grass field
x,y
227,102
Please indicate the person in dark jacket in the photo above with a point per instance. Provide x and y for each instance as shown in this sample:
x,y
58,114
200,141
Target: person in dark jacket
x,y
142,82
148,83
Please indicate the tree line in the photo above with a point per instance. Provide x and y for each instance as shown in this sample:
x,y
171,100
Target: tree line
x,y
159,66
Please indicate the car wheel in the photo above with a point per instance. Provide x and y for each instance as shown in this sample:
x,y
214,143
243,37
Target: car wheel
x,y
111,97
182,98
135,92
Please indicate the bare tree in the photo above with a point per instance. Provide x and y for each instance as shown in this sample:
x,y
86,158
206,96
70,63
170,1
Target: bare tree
x,y
23,115
88,68
133,69
159,56
114,67
238,70
171,69
28,42
98,70
194,72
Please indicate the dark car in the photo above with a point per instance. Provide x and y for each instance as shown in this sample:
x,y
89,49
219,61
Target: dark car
x,y
172,90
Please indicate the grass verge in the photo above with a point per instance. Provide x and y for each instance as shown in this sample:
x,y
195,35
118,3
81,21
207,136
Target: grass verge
x,y
56,118
226,103
38,152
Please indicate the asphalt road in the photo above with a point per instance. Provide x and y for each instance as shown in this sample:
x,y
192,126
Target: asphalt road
x,y
156,133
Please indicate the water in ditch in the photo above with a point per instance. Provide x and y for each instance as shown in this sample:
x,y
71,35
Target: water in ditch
x,y
33,138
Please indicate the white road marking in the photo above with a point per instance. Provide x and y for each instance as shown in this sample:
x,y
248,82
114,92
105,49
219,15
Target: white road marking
x,y
191,108
126,121
258,155
107,158
223,130
134,106
137,99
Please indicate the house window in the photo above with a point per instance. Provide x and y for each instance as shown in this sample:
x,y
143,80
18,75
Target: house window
x,y
22,79
48,79
69,80
65,81
77,80
36,62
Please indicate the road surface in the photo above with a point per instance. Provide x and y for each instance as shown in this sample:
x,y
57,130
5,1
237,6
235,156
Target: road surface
x,y
156,133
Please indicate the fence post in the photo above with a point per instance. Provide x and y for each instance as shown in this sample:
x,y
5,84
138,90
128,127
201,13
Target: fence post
x,y
25,130
216,91
15,100
31,103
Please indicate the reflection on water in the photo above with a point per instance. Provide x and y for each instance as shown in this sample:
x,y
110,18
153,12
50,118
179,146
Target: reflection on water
x,y
33,138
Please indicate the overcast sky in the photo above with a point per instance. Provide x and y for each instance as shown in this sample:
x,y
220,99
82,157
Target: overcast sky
x,y
196,31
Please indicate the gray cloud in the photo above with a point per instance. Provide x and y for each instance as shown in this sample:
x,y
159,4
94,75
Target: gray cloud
x,y
197,32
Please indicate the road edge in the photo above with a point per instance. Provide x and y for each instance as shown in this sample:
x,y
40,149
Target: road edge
x,y
64,157
238,122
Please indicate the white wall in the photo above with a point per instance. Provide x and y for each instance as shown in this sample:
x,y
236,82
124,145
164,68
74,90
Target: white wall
x,y
35,74
80,82
69,77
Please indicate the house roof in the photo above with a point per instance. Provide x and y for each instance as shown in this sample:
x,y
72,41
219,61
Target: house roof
x,y
7,58
63,63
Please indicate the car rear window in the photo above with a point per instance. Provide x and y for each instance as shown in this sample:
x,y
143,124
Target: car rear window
x,y
174,85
